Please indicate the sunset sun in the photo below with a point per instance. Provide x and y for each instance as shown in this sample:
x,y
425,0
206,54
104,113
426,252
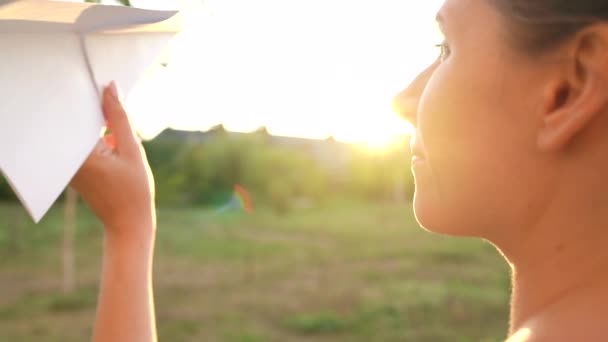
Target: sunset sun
x,y
247,65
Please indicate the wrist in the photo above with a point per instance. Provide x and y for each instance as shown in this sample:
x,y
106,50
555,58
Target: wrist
x,y
131,256
129,228
134,238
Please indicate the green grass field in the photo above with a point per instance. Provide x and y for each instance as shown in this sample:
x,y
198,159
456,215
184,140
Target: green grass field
x,y
344,272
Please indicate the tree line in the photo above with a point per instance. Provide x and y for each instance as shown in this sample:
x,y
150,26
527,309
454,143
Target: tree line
x,y
204,173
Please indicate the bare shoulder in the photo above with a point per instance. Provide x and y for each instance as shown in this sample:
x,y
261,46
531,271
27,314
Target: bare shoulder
x,y
565,334
571,324
521,335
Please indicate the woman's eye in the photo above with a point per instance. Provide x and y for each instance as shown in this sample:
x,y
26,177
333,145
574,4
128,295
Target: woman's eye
x,y
445,50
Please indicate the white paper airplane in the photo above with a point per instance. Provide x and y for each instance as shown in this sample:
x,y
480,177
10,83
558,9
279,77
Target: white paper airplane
x,y
55,57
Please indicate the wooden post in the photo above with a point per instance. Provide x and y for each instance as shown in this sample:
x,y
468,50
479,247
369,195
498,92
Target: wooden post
x,y
69,227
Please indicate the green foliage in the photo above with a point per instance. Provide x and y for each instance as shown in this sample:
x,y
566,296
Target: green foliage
x,y
321,323
204,173
5,190
374,176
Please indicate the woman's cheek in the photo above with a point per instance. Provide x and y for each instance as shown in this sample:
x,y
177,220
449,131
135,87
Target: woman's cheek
x,y
445,187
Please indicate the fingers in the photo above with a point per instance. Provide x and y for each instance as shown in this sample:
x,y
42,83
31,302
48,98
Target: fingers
x,y
125,140
110,141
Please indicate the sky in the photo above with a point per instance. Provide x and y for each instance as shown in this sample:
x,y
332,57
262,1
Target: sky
x,y
306,68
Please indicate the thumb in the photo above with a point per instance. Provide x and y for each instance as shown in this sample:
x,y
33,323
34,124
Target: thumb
x,y
118,121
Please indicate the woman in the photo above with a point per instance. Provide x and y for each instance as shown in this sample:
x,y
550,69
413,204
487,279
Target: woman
x,y
510,147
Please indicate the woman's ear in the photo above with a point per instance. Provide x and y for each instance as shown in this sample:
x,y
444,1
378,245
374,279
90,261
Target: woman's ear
x,y
572,102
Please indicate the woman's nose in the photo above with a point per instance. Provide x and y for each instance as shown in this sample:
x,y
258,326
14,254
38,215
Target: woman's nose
x,y
406,102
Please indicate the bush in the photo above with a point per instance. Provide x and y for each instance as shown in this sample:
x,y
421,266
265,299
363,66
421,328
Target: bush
x,y
204,171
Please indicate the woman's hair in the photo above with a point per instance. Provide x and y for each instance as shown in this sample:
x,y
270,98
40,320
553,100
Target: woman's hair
x,y
538,25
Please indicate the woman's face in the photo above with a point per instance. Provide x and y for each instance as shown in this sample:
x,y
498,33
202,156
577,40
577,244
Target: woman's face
x,y
476,109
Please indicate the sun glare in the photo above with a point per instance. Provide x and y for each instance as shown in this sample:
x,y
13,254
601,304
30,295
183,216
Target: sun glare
x,y
385,139
240,64
379,141
381,132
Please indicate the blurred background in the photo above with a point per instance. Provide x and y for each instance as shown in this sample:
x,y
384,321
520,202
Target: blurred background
x,y
283,188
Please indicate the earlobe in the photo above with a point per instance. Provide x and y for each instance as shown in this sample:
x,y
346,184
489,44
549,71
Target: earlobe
x,y
557,130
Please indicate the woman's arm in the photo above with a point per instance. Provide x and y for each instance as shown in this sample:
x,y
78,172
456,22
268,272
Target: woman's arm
x,y
125,311
116,183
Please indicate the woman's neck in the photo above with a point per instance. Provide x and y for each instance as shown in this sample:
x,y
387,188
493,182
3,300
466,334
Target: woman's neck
x,y
558,259
571,271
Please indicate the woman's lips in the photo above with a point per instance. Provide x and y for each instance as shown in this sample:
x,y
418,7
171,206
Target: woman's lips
x,y
417,152
417,163
417,159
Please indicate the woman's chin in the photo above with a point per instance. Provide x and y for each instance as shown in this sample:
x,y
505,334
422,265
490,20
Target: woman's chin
x,y
435,218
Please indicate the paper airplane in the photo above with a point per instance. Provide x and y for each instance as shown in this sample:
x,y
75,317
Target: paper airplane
x,y
55,57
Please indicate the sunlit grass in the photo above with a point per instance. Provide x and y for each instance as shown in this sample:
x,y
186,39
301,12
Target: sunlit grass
x,y
345,271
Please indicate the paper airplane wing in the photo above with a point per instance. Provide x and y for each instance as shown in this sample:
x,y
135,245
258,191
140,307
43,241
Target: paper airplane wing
x,y
49,115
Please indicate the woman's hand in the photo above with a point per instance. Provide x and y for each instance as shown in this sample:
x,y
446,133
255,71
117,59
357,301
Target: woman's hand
x,y
115,181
